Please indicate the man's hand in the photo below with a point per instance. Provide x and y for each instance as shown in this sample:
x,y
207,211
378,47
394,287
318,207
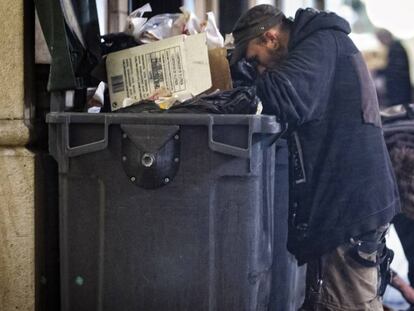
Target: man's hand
x,y
405,289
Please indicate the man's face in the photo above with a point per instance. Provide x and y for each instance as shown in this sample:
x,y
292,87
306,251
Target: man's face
x,y
267,52
260,52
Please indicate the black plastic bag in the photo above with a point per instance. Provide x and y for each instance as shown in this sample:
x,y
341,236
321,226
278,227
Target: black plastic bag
x,y
148,106
243,73
241,100
114,42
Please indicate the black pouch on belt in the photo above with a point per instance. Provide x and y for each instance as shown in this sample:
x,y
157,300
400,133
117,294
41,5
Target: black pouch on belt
x,y
370,243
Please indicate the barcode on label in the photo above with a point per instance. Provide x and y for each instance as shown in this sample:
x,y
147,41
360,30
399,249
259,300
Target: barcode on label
x,y
157,70
117,84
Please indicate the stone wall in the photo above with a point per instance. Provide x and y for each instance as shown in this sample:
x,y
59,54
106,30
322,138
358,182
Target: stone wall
x,y
16,168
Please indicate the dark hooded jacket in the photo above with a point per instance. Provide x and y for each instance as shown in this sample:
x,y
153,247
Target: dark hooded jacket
x,y
342,183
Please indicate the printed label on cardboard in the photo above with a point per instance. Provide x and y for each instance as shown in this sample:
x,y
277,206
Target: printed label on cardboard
x,y
179,64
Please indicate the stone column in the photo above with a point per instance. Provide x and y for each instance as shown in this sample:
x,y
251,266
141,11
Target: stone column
x,y
117,14
320,4
17,290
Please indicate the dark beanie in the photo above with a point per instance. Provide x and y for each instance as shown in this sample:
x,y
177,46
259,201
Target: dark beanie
x,y
252,24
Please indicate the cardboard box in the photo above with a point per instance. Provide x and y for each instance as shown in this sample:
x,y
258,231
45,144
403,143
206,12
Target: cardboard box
x,y
219,70
179,64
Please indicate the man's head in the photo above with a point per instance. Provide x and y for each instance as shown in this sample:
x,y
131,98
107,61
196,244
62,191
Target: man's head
x,y
261,35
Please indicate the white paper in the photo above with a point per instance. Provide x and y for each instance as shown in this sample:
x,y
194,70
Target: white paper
x,y
191,22
99,93
134,26
135,21
214,37
94,109
140,11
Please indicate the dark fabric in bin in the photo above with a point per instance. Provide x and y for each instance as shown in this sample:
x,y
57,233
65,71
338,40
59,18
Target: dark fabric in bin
x,y
243,73
237,101
141,106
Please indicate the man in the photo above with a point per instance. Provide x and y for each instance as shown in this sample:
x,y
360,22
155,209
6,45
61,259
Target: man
x,y
343,192
397,70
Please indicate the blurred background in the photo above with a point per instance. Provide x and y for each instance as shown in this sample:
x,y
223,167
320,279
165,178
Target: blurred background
x,y
363,15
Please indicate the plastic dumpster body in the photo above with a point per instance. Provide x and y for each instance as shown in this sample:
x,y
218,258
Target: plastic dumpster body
x,y
165,212
288,280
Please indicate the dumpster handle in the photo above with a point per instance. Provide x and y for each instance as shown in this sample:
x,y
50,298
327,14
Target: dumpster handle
x,y
86,148
233,150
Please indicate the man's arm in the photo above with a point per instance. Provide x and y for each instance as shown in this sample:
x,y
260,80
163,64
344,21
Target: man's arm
x,y
298,91
403,287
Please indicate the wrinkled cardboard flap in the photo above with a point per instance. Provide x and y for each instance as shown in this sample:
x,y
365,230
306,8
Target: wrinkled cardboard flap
x,y
220,70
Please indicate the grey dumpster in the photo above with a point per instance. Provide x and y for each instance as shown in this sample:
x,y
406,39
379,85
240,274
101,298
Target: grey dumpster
x,y
165,212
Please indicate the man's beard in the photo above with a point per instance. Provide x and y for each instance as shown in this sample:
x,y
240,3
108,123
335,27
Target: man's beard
x,y
278,56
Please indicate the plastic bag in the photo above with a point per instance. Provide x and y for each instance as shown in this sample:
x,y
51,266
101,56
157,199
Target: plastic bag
x,y
193,26
241,100
113,42
192,23
160,27
243,73
135,21
163,26
148,106
167,25
214,37
237,101
96,102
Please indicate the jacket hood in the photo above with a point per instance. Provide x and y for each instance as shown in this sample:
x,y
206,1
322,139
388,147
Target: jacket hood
x,y
308,21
